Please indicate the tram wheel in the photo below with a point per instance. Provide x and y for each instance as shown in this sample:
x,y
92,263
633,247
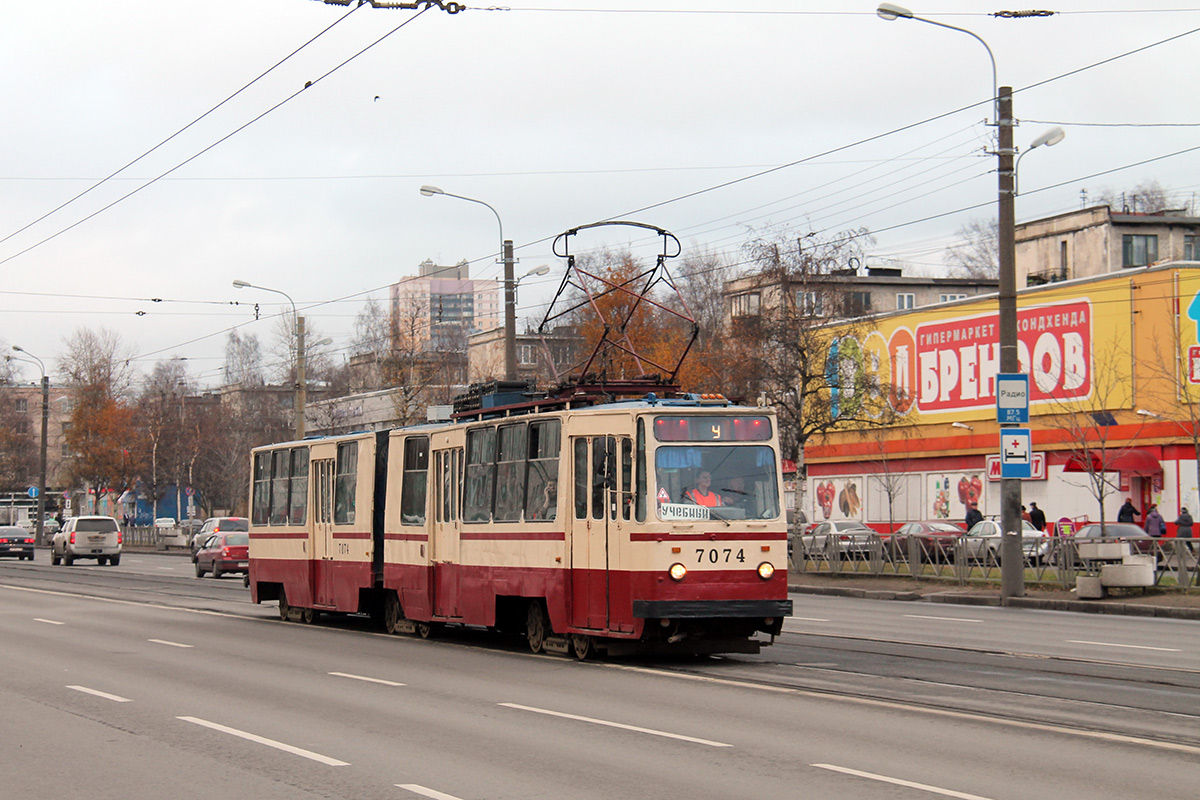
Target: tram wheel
x,y
283,604
391,612
535,626
425,629
308,616
583,646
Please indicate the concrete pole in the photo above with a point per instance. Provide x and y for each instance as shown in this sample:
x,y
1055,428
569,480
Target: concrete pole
x,y
510,314
40,534
301,388
1012,566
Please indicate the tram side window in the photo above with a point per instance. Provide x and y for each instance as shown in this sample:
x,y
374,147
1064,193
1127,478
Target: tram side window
x,y
541,495
641,470
581,478
345,483
279,486
298,487
604,469
626,477
416,478
481,471
510,473
262,488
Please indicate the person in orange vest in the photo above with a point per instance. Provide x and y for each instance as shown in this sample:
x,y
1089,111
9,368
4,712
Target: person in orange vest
x,y
702,494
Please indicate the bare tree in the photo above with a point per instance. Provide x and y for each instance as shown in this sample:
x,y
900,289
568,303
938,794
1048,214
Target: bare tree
x,y
243,360
1149,197
98,358
977,255
790,354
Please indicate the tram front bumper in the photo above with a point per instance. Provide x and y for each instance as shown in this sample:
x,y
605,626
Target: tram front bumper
x,y
711,609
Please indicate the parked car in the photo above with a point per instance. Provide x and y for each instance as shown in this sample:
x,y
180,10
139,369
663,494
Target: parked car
x,y
936,539
982,542
16,541
87,537
49,525
1140,542
222,553
217,525
847,537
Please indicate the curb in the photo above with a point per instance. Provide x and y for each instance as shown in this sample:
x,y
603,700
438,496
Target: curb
x,y
961,598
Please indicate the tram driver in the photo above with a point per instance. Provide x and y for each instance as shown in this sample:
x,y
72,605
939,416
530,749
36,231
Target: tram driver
x,y
702,494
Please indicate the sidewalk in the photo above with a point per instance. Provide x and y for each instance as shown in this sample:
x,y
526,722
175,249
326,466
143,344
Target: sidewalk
x,y
1134,602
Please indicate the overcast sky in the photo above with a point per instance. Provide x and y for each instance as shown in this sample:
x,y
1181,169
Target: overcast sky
x,y
558,114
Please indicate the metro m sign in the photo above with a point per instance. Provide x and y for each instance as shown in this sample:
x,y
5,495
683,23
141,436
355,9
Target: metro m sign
x,y
1037,467
958,359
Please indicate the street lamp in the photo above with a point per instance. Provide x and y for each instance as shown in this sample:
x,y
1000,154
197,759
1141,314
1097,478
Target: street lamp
x,y
1012,565
301,389
510,285
1049,139
39,532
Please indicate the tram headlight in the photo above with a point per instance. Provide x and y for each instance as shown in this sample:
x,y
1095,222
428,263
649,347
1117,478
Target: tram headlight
x,y
678,571
766,570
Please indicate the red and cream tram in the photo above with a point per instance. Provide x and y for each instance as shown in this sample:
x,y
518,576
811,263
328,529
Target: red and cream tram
x,y
653,525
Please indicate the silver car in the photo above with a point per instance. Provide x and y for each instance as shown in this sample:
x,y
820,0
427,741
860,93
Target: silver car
x,y
982,542
87,537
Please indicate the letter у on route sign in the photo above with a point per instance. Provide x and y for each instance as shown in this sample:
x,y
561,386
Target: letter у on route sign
x,y
1015,455
1012,399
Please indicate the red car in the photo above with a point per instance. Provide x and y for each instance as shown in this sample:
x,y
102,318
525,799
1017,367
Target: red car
x,y
224,552
935,540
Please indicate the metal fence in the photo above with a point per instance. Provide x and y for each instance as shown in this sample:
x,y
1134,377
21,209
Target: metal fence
x,y
1048,560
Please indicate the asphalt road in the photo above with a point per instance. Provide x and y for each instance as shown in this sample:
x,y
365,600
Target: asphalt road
x,y
142,681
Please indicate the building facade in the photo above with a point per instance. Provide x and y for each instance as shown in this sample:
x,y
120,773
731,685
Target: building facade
x,y
440,307
1114,390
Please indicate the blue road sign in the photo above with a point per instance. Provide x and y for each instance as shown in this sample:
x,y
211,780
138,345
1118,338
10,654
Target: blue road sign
x,y
1016,453
1012,399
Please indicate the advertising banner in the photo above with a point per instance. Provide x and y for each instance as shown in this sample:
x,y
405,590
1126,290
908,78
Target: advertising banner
x,y
943,362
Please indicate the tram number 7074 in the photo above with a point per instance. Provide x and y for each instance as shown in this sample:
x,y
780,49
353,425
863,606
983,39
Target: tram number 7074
x,y
716,556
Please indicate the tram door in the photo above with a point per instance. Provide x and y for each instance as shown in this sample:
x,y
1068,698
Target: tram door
x,y
444,545
322,542
602,477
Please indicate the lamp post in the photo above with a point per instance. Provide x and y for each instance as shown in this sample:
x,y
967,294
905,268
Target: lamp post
x,y
1012,563
1049,139
301,388
510,286
39,534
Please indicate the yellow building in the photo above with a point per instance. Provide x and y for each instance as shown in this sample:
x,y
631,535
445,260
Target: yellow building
x,y
1114,388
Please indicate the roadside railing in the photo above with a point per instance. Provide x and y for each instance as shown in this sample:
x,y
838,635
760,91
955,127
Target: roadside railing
x,y
1047,560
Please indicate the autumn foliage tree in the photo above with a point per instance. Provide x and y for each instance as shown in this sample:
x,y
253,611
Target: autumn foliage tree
x,y
99,438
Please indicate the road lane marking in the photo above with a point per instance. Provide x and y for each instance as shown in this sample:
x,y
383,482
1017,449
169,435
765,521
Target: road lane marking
x,y
943,619
287,748
98,693
896,705
899,782
1130,646
808,619
170,644
425,792
166,569
48,621
365,678
620,725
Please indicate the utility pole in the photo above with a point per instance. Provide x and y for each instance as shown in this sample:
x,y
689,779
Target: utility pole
x,y
301,391
510,314
1012,559
40,535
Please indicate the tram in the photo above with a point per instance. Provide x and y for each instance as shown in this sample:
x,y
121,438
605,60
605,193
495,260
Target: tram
x,y
649,525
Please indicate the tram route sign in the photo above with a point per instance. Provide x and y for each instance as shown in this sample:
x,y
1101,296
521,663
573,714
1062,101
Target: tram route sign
x,y
1012,399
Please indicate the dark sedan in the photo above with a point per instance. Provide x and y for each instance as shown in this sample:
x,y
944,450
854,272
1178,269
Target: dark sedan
x,y
1140,542
935,539
224,552
16,541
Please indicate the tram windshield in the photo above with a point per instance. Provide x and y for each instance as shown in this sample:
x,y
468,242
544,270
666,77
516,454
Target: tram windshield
x,y
729,482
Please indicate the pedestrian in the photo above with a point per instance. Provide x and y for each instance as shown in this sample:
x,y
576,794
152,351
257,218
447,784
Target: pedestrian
x,y
973,515
1037,517
1128,512
1025,515
1183,525
1156,526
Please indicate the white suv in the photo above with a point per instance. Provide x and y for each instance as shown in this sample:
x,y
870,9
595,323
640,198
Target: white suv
x,y
87,537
